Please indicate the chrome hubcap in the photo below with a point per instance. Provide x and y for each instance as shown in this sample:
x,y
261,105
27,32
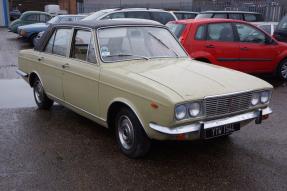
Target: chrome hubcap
x,y
284,70
39,92
126,132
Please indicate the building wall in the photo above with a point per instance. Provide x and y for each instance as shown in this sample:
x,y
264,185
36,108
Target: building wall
x,y
69,5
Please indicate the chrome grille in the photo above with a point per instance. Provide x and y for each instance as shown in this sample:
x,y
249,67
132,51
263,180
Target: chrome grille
x,y
215,106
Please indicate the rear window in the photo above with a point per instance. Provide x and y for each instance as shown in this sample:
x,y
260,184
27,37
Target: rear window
x,y
235,16
162,17
181,16
176,28
283,24
204,15
253,17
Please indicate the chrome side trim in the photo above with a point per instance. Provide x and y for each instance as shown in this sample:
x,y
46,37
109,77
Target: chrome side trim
x,y
21,73
195,127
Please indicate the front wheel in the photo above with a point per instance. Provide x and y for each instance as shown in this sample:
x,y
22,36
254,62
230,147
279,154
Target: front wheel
x,y
41,99
130,135
282,70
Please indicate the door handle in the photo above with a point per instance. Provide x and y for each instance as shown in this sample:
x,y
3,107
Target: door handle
x,y
244,48
65,66
210,46
40,58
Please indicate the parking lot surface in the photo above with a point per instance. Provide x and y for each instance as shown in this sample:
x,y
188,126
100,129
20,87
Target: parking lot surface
x,y
60,150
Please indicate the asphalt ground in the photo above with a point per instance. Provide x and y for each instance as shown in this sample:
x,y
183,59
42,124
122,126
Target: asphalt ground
x,y
60,150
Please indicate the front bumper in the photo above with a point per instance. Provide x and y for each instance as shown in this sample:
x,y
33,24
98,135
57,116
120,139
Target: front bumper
x,y
198,127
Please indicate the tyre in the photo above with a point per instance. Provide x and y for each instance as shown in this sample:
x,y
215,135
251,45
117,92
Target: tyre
x,y
41,99
131,138
282,70
33,40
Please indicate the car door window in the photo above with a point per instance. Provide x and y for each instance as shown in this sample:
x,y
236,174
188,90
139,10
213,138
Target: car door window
x,y
220,32
266,28
250,17
117,15
49,46
83,46
162,17
59,42
250,34
32,17
200,33
138,14
220,15
235,16
283,24
66,19
43,18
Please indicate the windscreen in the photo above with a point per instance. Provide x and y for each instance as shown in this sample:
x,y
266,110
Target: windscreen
x,y
126,43
176,28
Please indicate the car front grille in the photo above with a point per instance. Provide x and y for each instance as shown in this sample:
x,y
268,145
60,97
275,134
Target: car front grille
x,y
222,105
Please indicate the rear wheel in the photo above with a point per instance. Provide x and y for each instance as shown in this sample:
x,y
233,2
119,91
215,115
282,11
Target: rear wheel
x,y
130,135
282,70
41,99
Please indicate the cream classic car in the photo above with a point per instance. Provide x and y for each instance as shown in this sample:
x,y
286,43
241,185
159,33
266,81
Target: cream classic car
x,y
134,77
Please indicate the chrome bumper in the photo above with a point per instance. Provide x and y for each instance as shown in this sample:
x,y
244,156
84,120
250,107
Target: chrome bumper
x,y
199,126
21,73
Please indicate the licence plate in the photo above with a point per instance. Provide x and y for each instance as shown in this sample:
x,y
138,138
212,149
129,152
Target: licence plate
x,y
221,130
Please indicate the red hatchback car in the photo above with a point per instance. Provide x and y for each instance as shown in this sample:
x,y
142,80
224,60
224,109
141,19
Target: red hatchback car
x,y
232,43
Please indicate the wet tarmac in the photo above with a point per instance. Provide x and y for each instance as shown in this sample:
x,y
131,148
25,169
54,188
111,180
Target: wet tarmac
x,y
60,150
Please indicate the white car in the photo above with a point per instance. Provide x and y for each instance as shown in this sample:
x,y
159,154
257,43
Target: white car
x,y
268,27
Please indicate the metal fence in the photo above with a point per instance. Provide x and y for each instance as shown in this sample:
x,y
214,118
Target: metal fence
x,y
271,11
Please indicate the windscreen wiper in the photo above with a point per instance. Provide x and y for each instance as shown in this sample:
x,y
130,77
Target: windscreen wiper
x,y
163,44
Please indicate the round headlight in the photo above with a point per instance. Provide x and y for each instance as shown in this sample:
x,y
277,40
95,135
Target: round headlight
x,y
194,109
255,99
180,112
265,96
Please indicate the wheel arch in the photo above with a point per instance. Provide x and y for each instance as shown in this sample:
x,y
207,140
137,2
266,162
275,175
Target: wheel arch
x,y
115,106
32,77
202,59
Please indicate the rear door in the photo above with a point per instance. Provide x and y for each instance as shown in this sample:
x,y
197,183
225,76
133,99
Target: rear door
x,y
256,55
52,60
222,46
81,73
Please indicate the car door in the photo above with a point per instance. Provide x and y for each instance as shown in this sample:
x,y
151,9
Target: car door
x,y
222,46
81,73
52,60
256,54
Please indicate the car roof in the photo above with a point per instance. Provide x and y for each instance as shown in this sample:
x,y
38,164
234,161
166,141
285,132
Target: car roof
x,y
185,12
229,12
110,23
96,25
38,12
207,20
75,15
265,23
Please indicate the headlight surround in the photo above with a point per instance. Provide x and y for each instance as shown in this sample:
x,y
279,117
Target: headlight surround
x,y
194,109
265,97
189,110
180,112
260,97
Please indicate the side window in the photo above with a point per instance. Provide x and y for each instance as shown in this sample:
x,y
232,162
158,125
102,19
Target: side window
x,y
200,33
43,18
235,16
117,15
250,17
138,14
47,18
266,28
83,46
283,24
61,41
220,15
49,46
33,17
66,19
220,32
250,34
162,17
